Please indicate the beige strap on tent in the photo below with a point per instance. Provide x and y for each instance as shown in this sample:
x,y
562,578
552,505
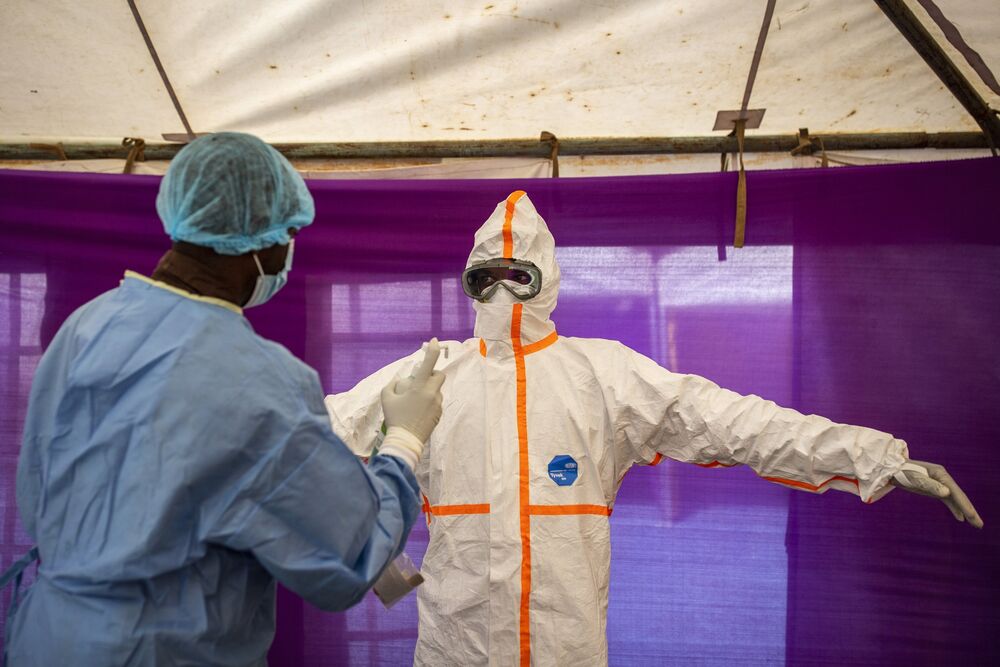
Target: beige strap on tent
x,y
741,126
741,188
137,151
553,142
807,146
824,160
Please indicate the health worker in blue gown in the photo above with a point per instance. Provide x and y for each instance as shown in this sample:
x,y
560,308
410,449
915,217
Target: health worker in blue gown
x,y
175,464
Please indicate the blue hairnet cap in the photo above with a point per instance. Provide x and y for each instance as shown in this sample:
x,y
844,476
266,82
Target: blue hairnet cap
x,y
233,193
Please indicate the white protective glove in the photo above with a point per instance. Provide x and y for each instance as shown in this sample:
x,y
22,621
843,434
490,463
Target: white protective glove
x,y
412,408
931,479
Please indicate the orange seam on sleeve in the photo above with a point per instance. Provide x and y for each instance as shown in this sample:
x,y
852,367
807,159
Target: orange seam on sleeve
x,y
541,344
810,487
482,347
508,234
656,459
563,510
716,464
787,482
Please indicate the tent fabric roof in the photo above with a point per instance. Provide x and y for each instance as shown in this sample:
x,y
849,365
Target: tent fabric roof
x,y
347,71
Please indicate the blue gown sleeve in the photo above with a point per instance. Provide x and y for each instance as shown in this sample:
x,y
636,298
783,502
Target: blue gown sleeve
x,y
319,521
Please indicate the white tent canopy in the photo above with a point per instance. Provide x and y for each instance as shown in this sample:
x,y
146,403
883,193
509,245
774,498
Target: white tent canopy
x,y
348,71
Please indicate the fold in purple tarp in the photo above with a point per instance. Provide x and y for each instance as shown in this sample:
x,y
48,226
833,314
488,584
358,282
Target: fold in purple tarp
x,y
870,295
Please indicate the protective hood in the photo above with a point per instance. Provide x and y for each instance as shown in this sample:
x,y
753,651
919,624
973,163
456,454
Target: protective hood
x,y
517,231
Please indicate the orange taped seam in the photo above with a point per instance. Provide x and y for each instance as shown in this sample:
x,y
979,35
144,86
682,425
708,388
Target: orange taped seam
x,y
542,344
811,487
524,625
455,510
715,464
426,507
656,459
561,510
482,347
508,234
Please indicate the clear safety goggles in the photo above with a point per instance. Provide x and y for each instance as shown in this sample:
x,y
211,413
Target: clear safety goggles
x,y
520,278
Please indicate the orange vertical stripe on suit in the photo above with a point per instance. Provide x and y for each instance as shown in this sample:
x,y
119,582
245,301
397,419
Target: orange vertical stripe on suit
x,y
524,499
508,234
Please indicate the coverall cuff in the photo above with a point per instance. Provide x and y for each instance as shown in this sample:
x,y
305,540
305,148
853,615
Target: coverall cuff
x,y
402,444
879,484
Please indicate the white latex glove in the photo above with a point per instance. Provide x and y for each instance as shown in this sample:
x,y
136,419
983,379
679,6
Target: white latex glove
x,y
931,479
412,408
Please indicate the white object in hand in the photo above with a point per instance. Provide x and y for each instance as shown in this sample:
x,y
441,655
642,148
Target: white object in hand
x,y
412,408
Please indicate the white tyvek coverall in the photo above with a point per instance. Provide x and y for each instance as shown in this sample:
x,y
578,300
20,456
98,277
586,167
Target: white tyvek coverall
x,y
517,567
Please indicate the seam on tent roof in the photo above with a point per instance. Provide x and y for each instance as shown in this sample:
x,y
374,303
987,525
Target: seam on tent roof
x,y
159,68
971,56
924,44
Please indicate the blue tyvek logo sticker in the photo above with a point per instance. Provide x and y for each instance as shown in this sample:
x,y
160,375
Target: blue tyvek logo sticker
x,y
563,470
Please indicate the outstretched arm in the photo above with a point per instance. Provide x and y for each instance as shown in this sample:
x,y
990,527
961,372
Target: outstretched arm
x,y
689,418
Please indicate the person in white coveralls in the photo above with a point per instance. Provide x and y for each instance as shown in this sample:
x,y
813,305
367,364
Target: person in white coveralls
x,y
538,431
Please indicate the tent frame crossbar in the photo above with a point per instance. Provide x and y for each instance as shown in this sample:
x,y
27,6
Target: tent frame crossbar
x,y
522,147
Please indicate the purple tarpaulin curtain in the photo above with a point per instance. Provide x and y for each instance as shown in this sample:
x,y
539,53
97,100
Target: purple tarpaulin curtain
x,y
870,295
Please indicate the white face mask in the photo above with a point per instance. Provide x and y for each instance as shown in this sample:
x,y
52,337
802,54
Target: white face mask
x,y
267,285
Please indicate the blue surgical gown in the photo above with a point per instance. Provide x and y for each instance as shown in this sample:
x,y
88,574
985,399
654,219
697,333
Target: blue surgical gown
x,y
175,464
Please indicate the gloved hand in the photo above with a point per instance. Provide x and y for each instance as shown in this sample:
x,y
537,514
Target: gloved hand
x,y
931,479
412,408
